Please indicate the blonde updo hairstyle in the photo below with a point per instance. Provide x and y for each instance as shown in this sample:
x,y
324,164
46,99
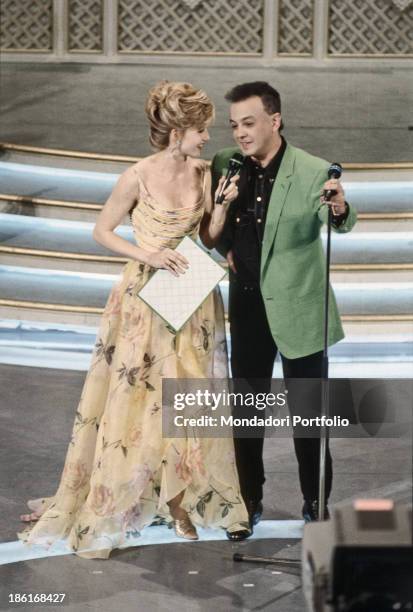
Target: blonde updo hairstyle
x,y
176,106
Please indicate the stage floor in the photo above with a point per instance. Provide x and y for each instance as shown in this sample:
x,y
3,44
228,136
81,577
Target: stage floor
x,y
37,411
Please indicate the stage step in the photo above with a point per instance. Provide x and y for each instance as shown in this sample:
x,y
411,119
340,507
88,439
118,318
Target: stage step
x,y
70,244
370,192
52,267
79,161
82,290
87,212
45,344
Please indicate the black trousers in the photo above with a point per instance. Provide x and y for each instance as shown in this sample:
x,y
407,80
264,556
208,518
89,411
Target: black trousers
x,y
253,352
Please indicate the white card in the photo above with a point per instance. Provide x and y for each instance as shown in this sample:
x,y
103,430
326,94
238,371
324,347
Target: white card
x,y
174,298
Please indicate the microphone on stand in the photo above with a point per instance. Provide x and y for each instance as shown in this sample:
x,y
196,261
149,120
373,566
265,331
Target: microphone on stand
x,y
334,171
234,167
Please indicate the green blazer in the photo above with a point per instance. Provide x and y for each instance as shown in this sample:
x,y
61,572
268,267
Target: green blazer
x,y
292,260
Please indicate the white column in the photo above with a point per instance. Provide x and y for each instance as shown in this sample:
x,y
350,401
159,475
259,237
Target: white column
x,y
320,31
110,28
270,31
60,26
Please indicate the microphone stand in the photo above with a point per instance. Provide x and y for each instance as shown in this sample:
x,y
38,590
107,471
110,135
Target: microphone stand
x,y
325,388
325,402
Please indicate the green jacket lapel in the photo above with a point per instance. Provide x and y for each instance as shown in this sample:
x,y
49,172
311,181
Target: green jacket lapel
x,y
276,203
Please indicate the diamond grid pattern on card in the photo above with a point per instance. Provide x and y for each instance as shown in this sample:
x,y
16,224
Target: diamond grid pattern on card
x,y
175,299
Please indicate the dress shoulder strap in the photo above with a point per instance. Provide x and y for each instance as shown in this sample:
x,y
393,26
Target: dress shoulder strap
x,y
140,181
204,171
141,185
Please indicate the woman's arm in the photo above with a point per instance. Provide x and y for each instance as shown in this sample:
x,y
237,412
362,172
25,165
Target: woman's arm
x,y
214,217
118,205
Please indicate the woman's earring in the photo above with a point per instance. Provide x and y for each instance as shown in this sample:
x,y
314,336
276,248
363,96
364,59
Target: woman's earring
x,y
176,148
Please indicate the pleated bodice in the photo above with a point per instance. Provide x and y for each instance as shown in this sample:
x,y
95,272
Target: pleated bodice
x,y
156,227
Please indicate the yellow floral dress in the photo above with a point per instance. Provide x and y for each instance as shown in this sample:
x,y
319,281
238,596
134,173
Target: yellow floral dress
x,y
119,471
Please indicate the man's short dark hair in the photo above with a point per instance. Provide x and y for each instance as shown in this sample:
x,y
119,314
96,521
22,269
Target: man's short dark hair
x,y
269,96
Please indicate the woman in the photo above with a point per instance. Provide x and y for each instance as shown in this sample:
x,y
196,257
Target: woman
x,y
119,472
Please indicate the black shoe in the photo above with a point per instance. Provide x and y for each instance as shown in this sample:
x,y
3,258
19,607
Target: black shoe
x,y
310,511
238,536
255,510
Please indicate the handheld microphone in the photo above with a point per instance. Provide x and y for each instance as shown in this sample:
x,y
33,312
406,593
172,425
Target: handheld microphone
x,y
334,171
234,167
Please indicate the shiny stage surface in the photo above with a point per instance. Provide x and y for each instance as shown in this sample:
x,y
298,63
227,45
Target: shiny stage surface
x,y
163,574
16,551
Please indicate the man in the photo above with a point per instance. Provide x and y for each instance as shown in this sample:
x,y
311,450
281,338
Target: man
x,y
271,240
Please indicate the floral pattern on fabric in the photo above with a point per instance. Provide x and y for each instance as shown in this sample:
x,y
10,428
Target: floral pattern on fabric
x,y
119,471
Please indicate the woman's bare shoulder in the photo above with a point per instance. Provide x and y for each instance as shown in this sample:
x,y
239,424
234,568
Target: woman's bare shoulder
x,y
131,175
144,166
200,166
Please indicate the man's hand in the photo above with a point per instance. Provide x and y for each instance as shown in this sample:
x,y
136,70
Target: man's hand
x,y
337,201
230,260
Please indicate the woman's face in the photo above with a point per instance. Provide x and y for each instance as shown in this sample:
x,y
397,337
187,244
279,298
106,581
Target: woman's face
x,y
193,141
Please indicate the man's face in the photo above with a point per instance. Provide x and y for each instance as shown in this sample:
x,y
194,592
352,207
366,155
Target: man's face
x,y
253,128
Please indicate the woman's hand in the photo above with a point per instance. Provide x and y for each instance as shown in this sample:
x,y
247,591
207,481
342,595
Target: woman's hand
x,y
230,193
214,217
168,259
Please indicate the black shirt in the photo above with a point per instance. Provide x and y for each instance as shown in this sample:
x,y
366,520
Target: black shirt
x,y
244,229
248,215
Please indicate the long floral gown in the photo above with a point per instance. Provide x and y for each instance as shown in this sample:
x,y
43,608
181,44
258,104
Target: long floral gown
x,y
119,471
